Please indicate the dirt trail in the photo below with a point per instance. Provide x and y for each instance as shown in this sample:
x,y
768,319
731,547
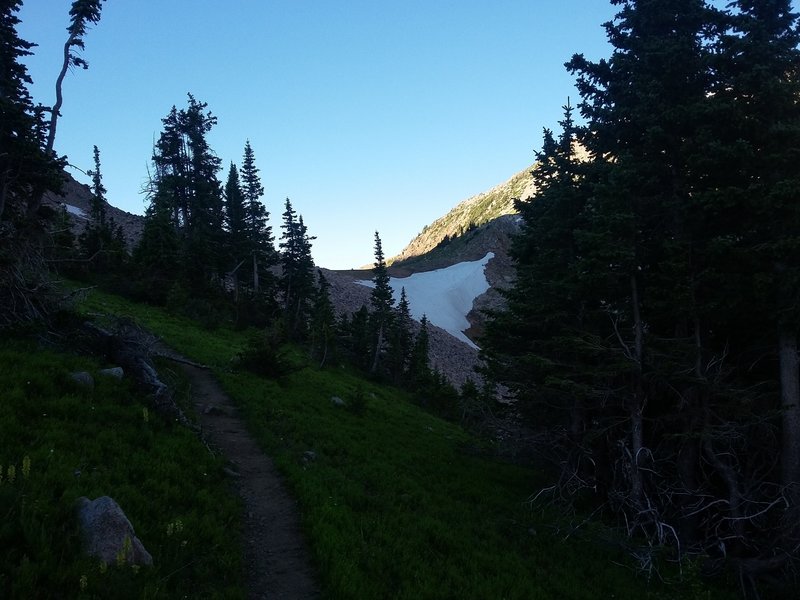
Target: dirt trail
x,y
277,559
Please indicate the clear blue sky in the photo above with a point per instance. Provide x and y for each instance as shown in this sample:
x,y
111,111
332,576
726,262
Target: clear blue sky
x,y
368,115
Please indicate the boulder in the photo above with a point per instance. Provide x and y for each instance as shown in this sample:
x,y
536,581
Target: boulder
x,y
83,379
336,401
108,534
115,372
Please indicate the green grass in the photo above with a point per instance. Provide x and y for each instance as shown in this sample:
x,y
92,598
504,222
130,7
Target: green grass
x,y
96,442
397,504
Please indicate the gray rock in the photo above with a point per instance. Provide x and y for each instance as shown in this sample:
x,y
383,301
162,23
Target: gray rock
x,y
105,529
83,379
309,456
230,472
213,411
336,401
115,372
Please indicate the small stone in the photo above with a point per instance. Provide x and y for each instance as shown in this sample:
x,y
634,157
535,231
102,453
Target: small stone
x,y
309,456
83,379
336,401
115,372
230,472
532,531
213,411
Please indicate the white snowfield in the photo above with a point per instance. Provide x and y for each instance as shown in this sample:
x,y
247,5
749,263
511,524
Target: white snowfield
x,y
445,296
74,210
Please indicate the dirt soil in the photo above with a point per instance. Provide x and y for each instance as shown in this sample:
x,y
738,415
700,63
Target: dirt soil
x,y
277,558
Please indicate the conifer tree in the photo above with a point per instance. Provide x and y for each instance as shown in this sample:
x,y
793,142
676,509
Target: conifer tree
x,y
323,321
359,340
298,270
763,100
262,246
102,242
419,370
185,187
400,339
382,302
238,247
24,165
83,13
98,201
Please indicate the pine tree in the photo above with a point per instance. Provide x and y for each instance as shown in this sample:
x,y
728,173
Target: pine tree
x,y
185,187
298,271
262,246
644,106
419,370
98,202
400,339
24,165
83,13
382,302
323,321
762,90
237,242
102,243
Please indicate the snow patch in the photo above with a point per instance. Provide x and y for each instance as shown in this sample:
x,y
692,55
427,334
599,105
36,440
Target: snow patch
x,y
445,296
74,210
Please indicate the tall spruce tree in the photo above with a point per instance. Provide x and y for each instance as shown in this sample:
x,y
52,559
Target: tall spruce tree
x,y
262,243
643,106
24,165
102,242
185,189
237,242
323,321
382,302
298,271
419,370
400,339
82,13
543,346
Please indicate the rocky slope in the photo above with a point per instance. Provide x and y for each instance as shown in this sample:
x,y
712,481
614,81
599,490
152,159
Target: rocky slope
x,y
468,215
76,199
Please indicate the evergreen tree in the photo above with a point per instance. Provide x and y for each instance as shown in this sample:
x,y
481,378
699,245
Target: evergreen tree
x,y
323,321
102,242
259,233
298,271
644,106
238,246
382,302
764,90
83,13
97,211
400,340
24,165
185,187
543,347
359,341
419,371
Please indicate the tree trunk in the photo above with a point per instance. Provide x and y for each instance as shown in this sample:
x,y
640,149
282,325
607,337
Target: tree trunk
x,y
54,114
378,346
638,400
790,405
3,192
255,273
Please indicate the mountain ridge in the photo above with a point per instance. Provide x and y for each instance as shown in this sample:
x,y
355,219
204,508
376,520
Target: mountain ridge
x,y
467,216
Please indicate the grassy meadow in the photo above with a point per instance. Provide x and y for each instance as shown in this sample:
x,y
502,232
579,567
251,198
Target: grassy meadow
x,y
396,503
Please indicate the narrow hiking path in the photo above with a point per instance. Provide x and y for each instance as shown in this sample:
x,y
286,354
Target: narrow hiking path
x,y
277,558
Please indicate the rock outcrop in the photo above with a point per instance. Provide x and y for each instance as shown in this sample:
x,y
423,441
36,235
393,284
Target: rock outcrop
x,y
108,534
